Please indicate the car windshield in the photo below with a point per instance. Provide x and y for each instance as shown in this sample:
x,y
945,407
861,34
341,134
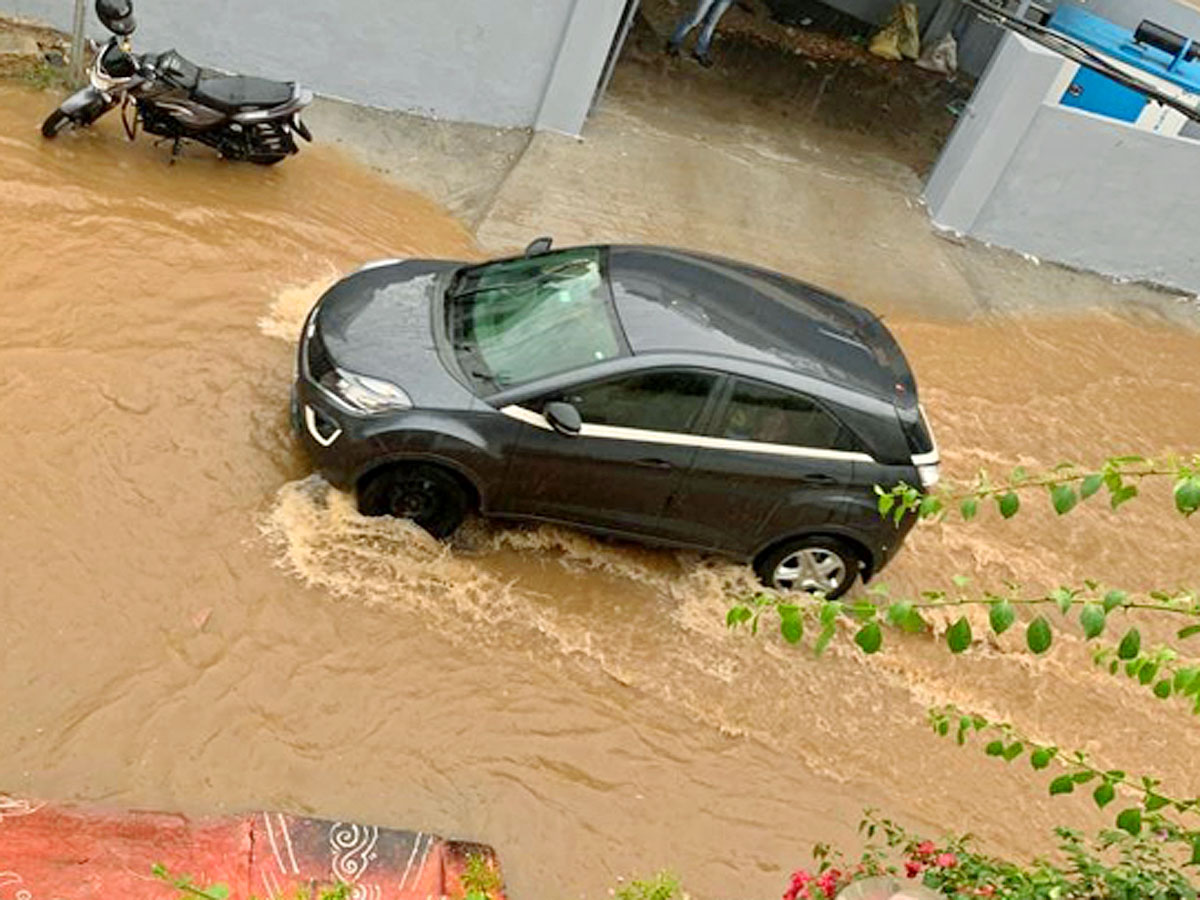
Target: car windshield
x,y
515,321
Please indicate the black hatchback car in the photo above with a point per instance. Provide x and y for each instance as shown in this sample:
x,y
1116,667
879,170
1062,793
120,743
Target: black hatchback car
x,y
639,392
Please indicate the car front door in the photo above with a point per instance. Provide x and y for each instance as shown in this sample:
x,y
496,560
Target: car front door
x,y
772,462
636,441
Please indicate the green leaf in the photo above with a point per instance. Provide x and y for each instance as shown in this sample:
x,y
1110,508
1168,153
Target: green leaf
x,y
1113,599
1190,631
1123,495
960,581
830,610
930,506
1162,690
737,615
994,748
1064,599
1083,777
905,617
217,891
823,639
1104,794
1147,672
1131,645
886,502
1063,784
1090,485
791,626
1039,636
1064,498
1009,504
1013,750
1187,495
1195,860
1187,680
870,638
969,508
1130,821
1092,619
959,635
1041,757
158,870
1155,802
1001,616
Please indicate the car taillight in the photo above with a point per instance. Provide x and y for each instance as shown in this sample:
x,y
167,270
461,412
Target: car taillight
x,y
930,475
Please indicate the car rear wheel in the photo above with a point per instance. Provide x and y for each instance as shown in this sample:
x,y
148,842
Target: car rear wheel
x,y
815,565
431,496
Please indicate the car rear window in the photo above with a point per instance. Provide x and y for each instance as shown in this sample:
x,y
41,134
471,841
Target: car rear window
x,y
765,414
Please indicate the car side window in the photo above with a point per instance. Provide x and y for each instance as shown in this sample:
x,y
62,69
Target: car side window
x,y
764,414
664,400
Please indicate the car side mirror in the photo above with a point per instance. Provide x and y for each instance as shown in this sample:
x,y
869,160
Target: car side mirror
x,y
539,245
563,418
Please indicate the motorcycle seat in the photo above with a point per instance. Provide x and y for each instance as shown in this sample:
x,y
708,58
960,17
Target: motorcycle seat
x,y
235,92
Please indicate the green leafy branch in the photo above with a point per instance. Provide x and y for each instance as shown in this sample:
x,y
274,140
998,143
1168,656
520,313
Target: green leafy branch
x,y
1067,486
1149,801
187,888
1091,603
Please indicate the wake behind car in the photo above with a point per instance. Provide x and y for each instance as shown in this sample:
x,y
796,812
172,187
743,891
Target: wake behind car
x,y
639,392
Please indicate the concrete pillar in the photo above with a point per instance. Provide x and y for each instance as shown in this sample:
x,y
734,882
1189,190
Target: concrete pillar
x,y
579,65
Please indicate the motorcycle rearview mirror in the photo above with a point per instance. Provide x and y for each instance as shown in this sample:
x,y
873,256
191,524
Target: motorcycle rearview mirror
x,y
563,418
539,245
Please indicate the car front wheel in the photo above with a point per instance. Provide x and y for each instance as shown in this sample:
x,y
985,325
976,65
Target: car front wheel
x,y
429,495
815,565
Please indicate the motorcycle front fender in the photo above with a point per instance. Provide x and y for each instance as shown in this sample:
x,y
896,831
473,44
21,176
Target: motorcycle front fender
x,y
86,105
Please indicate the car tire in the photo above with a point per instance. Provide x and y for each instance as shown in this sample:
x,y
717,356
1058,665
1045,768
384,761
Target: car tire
x,y
432,497
815,564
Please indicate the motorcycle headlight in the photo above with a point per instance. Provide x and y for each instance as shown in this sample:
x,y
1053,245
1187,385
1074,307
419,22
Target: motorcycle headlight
x,y
362,392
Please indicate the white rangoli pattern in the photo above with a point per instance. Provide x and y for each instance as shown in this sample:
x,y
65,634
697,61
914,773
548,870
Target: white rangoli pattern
x,y
353,848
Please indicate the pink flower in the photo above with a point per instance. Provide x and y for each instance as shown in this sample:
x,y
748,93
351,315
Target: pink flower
x,y
800,878
986,891
828,882
925,848
947,860
912,868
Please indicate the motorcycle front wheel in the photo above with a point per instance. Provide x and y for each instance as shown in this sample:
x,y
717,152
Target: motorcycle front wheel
x,y
55,123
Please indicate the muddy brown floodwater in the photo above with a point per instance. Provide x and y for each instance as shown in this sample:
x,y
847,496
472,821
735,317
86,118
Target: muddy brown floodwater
x,y
190,621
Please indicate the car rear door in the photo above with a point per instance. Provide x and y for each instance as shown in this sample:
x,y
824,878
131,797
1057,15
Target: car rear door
x,y
773,462
637,441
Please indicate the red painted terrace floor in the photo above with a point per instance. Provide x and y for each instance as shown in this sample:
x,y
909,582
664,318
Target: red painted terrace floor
x,y
58,853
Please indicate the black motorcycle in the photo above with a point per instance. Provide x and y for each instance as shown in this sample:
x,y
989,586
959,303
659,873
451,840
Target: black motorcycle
x,y
243,118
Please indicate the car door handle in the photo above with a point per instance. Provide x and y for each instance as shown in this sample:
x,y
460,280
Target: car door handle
x,y
654,464
816,479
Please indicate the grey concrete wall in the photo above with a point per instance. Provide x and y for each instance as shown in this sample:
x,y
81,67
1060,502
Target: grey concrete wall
x,y
989,132
496,62
1100,195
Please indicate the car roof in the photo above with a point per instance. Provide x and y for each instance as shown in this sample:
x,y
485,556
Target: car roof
x,y
672,301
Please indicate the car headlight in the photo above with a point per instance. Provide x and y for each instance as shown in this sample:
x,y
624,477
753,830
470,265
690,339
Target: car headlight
x,y
362,392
